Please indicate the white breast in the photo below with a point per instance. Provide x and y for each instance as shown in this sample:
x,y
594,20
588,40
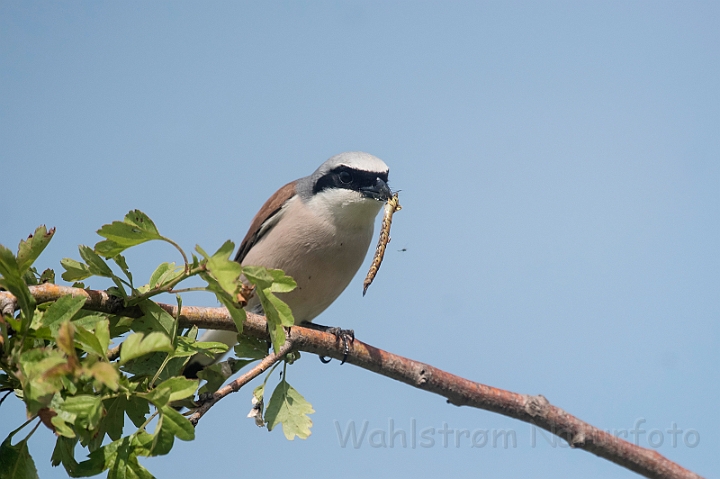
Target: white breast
x,y
321,243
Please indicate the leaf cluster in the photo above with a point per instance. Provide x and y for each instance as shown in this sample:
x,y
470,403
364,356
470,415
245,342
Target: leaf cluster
x,y
81,373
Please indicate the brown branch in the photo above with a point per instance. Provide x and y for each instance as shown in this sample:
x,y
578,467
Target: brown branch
x,y
114,352
234,386
535,410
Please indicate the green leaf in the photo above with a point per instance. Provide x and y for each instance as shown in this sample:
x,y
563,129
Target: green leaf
x,y
278,316
137,344
225,271
163,274
47,276
225,250
106,374
88,319
264,278
132,470
115,419
102,333
284,314
88,341
62,427
62,310
81,404
289,408
202,253
180,387
277,312
30,249
277,334
135,229
65,339
159,397
88,409
91,467
120,261
137,408
95,263
163,440
109,248
252,348
186,347
177,424
64,453
74,270
30,276
15,461
143,222
258,275
119,457
135,470
8,264
281,283
237,314
147,365
154,319
37,384
158,443
69,385
215,375
142,442
292,356
12,281
101,459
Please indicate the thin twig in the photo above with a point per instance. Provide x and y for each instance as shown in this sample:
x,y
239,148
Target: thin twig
x,y
535,410
187,290
5,397
168,287
114,352
182,252
235,385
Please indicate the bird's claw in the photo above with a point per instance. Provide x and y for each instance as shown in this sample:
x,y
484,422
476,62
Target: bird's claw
x,y
347,336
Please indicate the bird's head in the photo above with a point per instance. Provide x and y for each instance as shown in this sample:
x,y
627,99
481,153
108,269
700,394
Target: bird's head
x,y
352,185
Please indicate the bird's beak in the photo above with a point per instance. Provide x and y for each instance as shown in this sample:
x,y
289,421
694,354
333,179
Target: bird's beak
x,y
379,191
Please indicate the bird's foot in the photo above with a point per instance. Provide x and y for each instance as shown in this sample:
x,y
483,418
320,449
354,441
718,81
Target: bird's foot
x,y
203,398
347,336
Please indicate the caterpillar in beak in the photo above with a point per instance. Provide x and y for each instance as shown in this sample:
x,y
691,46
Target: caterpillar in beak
x,y
392,206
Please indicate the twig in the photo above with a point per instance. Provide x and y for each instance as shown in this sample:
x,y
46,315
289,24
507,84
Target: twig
x,y
114,352
461,392
235,385
182,252
5,397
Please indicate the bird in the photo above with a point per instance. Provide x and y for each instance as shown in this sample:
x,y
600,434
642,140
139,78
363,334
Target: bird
x,y
318,230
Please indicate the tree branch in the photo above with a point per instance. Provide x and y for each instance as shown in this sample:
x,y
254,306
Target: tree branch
x,y
535,410
234,386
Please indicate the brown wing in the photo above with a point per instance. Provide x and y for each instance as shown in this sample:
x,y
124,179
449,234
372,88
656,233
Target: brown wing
x,y
268,210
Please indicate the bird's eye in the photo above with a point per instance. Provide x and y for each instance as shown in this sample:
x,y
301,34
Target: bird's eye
x,y
345,177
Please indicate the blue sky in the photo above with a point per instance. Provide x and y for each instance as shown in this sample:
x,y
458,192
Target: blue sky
x,y
560,172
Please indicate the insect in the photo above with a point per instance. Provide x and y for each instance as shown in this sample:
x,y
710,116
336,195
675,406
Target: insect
x,y
392,205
